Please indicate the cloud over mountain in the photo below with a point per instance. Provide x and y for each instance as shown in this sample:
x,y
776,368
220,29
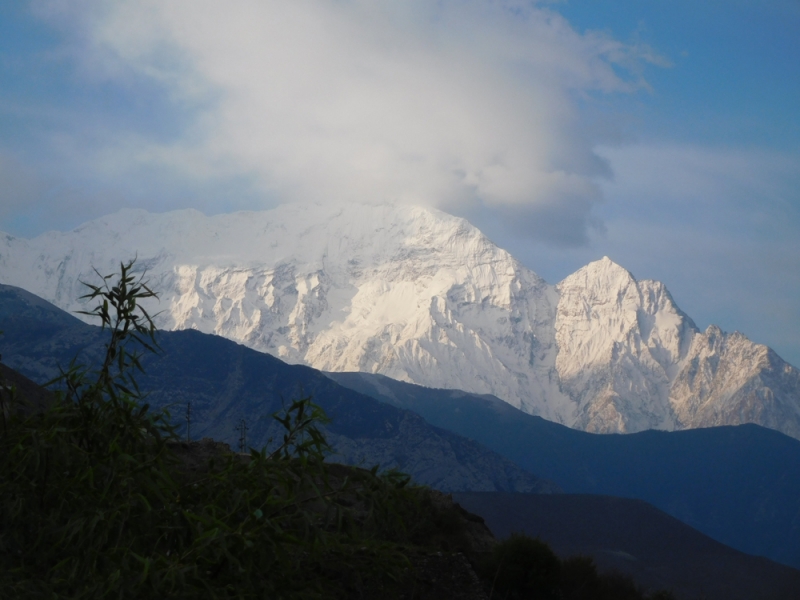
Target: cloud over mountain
x,y
458,104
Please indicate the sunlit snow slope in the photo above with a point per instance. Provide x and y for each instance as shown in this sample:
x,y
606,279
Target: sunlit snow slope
x,y
424,297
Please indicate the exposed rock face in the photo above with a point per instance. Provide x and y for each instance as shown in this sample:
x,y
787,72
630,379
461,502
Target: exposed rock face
x,y
424,297
632,360
619,342
726,379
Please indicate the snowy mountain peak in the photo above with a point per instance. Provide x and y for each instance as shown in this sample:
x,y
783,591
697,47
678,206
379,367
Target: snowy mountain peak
x,y
425,297
609,321
604,267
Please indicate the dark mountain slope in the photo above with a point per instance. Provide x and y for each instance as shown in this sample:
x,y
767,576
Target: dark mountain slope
x,y
635,538
226,383
739,485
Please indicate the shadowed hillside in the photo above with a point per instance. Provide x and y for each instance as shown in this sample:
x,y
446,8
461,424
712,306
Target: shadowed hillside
x,y
227,383
739,485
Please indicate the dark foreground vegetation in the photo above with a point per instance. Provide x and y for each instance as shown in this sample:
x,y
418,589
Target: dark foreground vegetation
x,y
99,499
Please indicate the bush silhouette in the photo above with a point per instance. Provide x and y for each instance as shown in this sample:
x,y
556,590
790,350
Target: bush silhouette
x,y
525,568
581,581
522,567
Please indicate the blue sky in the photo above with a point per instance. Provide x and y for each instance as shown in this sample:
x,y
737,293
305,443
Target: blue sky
x,y
734,79
662,133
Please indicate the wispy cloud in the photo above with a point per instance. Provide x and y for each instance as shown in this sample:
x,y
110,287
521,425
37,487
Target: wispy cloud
x,y
463,104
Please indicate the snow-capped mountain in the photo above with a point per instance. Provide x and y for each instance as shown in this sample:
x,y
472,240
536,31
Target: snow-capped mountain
x,y
421,296
632,360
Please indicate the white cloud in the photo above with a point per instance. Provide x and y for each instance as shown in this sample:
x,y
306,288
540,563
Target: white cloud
x,y
463,104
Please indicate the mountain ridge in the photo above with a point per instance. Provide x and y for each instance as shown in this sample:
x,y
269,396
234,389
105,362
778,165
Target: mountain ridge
x,y
424,297
227,382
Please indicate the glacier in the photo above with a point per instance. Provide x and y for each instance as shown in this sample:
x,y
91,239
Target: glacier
x,y
424,297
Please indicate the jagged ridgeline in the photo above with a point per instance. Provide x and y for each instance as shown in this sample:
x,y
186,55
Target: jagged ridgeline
x,y
100,500
424,297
